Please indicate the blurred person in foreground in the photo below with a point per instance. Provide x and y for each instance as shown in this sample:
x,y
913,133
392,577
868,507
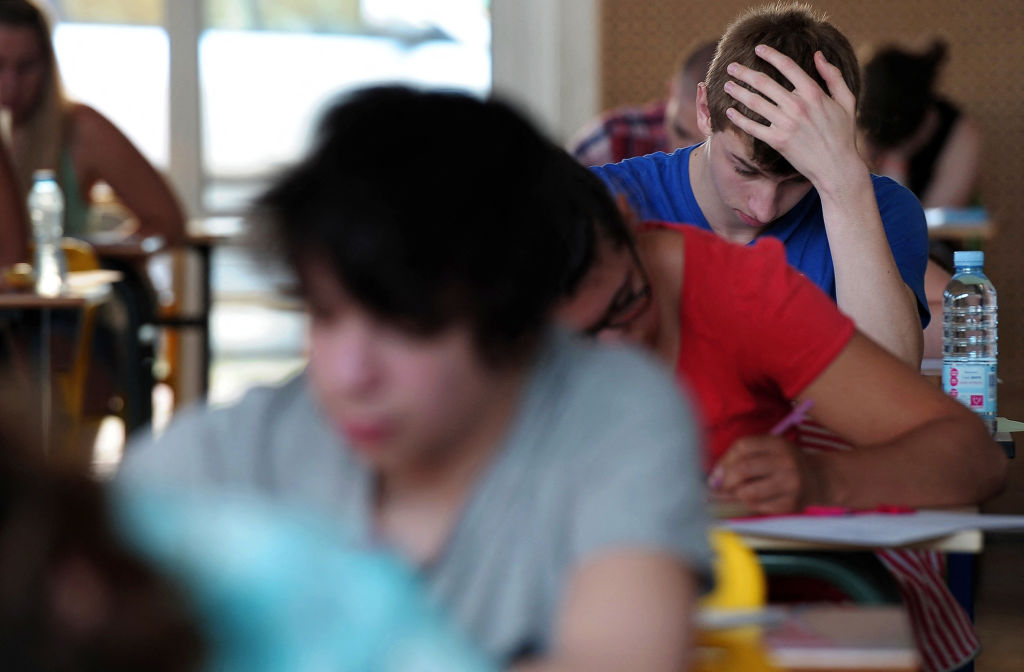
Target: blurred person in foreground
x,y
83,148
127,579
780,159
74,597
660,126
547,490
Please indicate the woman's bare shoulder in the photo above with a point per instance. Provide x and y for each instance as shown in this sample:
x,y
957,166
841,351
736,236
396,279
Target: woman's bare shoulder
x,y
88,124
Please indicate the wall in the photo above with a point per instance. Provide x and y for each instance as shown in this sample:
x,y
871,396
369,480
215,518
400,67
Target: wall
x,y
641,40
545,60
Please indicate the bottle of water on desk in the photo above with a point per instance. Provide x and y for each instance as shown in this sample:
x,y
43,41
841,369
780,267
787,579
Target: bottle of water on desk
x,y
969,340
46,209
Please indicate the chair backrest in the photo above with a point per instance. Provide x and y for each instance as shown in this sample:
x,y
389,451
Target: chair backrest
x,y
739,586
739,579
80,255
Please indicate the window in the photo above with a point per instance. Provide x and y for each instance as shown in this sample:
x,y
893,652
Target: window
x,y
91,39
266,69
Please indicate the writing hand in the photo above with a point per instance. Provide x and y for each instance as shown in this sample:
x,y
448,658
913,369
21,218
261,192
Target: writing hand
x,y
766,473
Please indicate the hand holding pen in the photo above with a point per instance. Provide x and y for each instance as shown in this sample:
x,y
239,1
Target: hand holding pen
x,y
765,472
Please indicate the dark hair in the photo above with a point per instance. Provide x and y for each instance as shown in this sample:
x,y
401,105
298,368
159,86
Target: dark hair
x,y
73,596
594,208
796,31
26,14
23,13
898,90
434,209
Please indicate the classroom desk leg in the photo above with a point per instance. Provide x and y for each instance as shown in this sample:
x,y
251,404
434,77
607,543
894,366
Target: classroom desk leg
x,y
201,319
46,380
206,268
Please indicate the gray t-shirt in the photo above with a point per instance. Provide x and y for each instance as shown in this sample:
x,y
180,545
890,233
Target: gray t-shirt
x,y
601,455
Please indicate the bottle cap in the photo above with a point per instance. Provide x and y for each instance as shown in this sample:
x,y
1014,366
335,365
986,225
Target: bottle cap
x,y
43,174
968,258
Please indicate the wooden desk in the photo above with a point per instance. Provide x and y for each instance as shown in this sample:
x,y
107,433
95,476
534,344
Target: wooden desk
x,y
958,224
843,637
966,541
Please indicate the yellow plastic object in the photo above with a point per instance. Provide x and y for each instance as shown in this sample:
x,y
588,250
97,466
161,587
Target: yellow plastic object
x,y
739,585
18,276
739,581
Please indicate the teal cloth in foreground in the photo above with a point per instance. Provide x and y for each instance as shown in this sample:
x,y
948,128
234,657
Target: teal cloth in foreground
x,y
279,590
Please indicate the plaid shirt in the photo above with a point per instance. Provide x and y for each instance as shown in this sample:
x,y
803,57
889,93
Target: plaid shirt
x,y
621,134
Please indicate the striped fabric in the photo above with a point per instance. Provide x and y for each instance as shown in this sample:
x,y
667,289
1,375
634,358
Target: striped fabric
x,y
943,631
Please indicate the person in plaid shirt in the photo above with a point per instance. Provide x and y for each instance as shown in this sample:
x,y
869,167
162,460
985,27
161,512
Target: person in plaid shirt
x,y
660,126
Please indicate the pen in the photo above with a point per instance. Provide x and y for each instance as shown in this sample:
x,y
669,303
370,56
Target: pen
x,y
794,416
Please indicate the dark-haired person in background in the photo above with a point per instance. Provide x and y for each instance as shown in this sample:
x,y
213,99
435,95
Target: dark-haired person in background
x,y
780,159
914,135
923,141
547,490
661,126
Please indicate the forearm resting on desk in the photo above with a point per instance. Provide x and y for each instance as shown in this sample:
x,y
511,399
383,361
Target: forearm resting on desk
x,y
910,444
944,463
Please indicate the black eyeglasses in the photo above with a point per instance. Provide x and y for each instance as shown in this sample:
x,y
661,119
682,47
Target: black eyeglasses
x,y
627,304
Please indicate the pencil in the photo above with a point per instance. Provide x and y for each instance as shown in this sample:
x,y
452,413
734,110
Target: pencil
x,y
794,416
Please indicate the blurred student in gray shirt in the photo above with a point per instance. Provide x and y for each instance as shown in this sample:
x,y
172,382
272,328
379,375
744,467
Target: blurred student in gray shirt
x,y
545,489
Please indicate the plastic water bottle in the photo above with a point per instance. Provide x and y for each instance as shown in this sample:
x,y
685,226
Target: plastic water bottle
x,y
46,209
969,339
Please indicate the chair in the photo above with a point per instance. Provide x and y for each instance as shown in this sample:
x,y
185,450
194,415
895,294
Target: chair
x,y
71,383
80,257
857,577
739,586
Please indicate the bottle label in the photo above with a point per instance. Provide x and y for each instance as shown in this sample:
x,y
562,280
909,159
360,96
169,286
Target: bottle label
x,y
973,385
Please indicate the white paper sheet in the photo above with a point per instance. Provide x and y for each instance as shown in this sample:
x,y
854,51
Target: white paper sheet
x,y
874,529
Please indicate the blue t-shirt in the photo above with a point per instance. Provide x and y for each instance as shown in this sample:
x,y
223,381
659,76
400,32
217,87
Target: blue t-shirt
x,y
658,188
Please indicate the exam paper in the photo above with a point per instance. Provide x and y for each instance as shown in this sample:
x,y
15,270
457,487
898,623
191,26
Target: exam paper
x,y
874,529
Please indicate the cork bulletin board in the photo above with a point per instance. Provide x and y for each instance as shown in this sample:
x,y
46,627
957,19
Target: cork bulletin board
x,y
641,41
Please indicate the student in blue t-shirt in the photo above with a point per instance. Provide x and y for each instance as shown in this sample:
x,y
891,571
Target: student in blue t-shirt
x,y
778,110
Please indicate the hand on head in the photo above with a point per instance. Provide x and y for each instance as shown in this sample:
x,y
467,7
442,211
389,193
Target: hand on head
x,y
815,131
